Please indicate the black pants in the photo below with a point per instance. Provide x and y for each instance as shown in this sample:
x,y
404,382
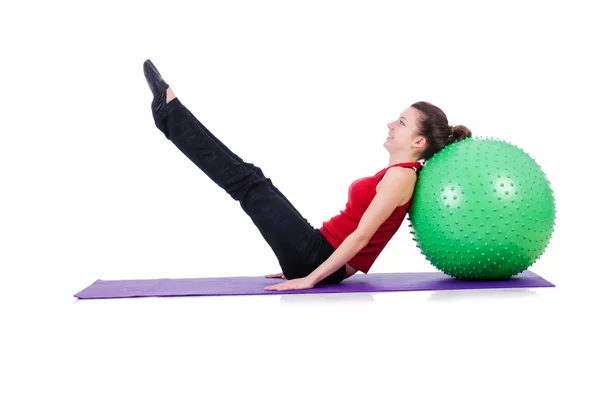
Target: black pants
x,y
299,247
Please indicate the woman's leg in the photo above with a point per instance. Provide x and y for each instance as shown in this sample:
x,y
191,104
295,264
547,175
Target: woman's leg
x,y
282,227
289,235
236,157
299,247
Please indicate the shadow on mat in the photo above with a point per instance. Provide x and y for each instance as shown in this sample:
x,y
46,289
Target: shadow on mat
x,y
485,294
342,299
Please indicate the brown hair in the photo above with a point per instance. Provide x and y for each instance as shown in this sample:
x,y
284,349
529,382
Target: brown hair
x,y
433,125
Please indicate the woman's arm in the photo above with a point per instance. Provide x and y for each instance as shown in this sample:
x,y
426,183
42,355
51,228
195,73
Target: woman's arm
x,y
395,189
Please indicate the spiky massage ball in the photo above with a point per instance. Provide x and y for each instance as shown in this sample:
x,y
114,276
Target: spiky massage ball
x,y
483,209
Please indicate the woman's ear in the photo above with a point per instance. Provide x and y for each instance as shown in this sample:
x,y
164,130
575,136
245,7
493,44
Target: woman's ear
x,y
420,142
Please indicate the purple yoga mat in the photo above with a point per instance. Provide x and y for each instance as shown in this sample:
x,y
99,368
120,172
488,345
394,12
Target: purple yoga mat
x,y
254,285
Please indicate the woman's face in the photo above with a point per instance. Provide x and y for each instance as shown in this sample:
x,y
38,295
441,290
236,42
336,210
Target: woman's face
x,y
402,132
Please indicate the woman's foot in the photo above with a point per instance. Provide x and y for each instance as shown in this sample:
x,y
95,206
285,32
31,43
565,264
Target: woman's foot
x,y
158,85
162,94
155,81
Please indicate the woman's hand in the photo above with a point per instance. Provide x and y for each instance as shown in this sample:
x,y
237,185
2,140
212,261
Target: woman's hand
x,y
277,275
298,283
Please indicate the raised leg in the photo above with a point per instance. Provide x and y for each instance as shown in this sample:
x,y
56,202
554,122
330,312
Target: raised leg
x,y
293,240
256,169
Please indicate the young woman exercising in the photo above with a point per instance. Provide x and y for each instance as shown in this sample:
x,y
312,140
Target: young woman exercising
x,y
346,243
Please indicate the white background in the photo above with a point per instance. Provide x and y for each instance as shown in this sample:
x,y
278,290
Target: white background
x,y
304,89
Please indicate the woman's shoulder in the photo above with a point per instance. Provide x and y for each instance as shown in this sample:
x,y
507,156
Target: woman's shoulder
x,y
398,177
401,173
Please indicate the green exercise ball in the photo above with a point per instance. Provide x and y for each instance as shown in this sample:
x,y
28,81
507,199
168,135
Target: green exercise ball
x,y
483,209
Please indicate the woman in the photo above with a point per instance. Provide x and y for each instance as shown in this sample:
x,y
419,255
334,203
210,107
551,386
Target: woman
x,y
348,242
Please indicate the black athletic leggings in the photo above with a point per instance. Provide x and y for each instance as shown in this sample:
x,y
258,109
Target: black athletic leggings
x,y
299,247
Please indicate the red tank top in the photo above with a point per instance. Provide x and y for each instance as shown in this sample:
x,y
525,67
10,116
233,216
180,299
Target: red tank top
x,y
360,194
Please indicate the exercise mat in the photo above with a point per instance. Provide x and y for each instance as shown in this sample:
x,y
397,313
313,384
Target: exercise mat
x,y
254,285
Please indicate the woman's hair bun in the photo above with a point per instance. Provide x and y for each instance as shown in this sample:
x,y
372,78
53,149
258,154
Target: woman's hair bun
x,y
458,133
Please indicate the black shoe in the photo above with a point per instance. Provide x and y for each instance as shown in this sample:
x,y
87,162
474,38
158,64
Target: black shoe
x,y
158,86
155,81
